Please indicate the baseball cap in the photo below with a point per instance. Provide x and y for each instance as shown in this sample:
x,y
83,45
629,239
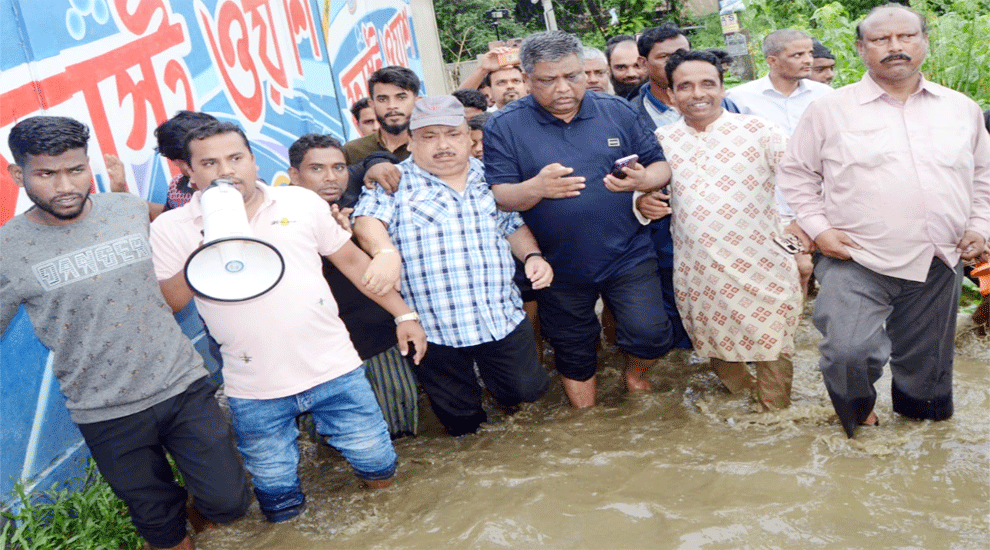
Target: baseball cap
x,y
444,110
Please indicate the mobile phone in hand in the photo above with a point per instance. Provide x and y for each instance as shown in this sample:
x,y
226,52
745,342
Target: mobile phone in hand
x,y
790,243
622,162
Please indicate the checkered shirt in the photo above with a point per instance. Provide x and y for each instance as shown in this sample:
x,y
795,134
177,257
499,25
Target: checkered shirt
x,y
457,266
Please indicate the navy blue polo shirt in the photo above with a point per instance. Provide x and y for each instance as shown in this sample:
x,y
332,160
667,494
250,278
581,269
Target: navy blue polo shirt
x,y
595,235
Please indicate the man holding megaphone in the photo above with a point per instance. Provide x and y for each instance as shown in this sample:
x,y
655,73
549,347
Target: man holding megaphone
x,y
285,351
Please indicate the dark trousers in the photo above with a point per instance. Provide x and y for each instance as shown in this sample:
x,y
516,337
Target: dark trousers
x,y
569,323
130,453
508,367
867,319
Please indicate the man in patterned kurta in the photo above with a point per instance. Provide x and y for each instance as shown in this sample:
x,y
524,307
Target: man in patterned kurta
x,y
737,290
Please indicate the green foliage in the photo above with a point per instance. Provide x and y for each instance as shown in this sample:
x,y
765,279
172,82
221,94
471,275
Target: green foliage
x,y
465,33
958,56
634,15
90,519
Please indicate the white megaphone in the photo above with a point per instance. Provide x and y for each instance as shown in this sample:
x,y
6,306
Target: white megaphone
x,y
231,265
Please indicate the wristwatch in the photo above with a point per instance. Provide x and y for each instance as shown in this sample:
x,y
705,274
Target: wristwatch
x,y
413,316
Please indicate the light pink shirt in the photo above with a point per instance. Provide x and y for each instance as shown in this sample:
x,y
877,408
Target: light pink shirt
x,y
904,181
290,339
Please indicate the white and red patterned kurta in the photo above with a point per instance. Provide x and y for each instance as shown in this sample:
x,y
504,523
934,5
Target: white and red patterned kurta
x,y
737,291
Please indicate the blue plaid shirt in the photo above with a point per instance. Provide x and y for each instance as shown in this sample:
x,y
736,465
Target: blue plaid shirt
x,y
457,266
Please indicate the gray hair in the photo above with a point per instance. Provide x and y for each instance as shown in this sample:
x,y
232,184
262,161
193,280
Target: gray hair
x,y
778,40
589,52
548,46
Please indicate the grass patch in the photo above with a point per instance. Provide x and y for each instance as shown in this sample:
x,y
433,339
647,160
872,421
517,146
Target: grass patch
x,y
90,519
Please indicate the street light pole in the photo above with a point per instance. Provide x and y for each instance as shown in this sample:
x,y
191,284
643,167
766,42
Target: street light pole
x,y
548,14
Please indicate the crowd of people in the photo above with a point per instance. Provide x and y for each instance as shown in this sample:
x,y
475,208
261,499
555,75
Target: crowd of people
x,y
441,248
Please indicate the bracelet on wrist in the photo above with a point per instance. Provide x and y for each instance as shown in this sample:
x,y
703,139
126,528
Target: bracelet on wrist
x,y
412,316
530,255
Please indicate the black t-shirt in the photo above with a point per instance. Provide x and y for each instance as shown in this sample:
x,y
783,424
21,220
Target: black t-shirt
x,y
372,329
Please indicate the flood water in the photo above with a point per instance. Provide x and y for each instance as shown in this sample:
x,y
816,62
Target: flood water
x,y
685,467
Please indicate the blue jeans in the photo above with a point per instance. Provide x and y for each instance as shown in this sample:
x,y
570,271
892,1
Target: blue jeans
x,y
346,413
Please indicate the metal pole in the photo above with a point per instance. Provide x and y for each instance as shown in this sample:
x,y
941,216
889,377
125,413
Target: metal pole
x,y
549,16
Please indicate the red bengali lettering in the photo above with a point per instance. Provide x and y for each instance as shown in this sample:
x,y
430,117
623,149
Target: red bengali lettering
x,y
228,53
138,21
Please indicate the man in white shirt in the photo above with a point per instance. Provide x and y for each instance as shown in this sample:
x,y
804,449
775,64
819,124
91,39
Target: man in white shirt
x,y
781,97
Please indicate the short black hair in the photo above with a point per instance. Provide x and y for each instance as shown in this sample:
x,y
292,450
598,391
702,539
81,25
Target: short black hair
x,y
722,55
208,130
819,51
651,37
360,105
485,82
472,98
301,146
171,134
477,121
396,76
681,56
46,135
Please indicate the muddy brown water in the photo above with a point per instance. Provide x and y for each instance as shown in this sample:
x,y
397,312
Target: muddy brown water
x,y
686,467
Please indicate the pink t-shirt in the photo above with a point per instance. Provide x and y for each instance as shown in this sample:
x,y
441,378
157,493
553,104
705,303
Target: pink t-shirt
x,y
291,338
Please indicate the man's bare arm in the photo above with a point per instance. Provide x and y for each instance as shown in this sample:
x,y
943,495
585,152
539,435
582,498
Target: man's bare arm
x,y
353,263
176,291
525,248
382,272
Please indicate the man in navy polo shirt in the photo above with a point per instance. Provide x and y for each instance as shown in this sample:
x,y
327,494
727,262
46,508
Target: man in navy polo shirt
x,y
548,155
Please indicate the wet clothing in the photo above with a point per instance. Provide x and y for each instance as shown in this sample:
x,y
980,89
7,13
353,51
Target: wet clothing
x,y
133,382
896,320
593,241
130,453
904,181
372,331
457,269
344,411
569,323
508,367
287,351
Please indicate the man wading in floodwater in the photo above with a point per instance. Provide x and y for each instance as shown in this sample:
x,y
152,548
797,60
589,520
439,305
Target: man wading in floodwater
x,y
891,178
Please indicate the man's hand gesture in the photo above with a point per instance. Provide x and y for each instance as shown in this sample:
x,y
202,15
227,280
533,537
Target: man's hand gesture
x,y
555,182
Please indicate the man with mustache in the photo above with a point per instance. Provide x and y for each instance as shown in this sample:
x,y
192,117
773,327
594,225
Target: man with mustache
x,y
891,178
625,69
286,352
81,265
443,238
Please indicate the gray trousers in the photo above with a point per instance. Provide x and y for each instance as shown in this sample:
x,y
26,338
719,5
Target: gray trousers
x,y
867,319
